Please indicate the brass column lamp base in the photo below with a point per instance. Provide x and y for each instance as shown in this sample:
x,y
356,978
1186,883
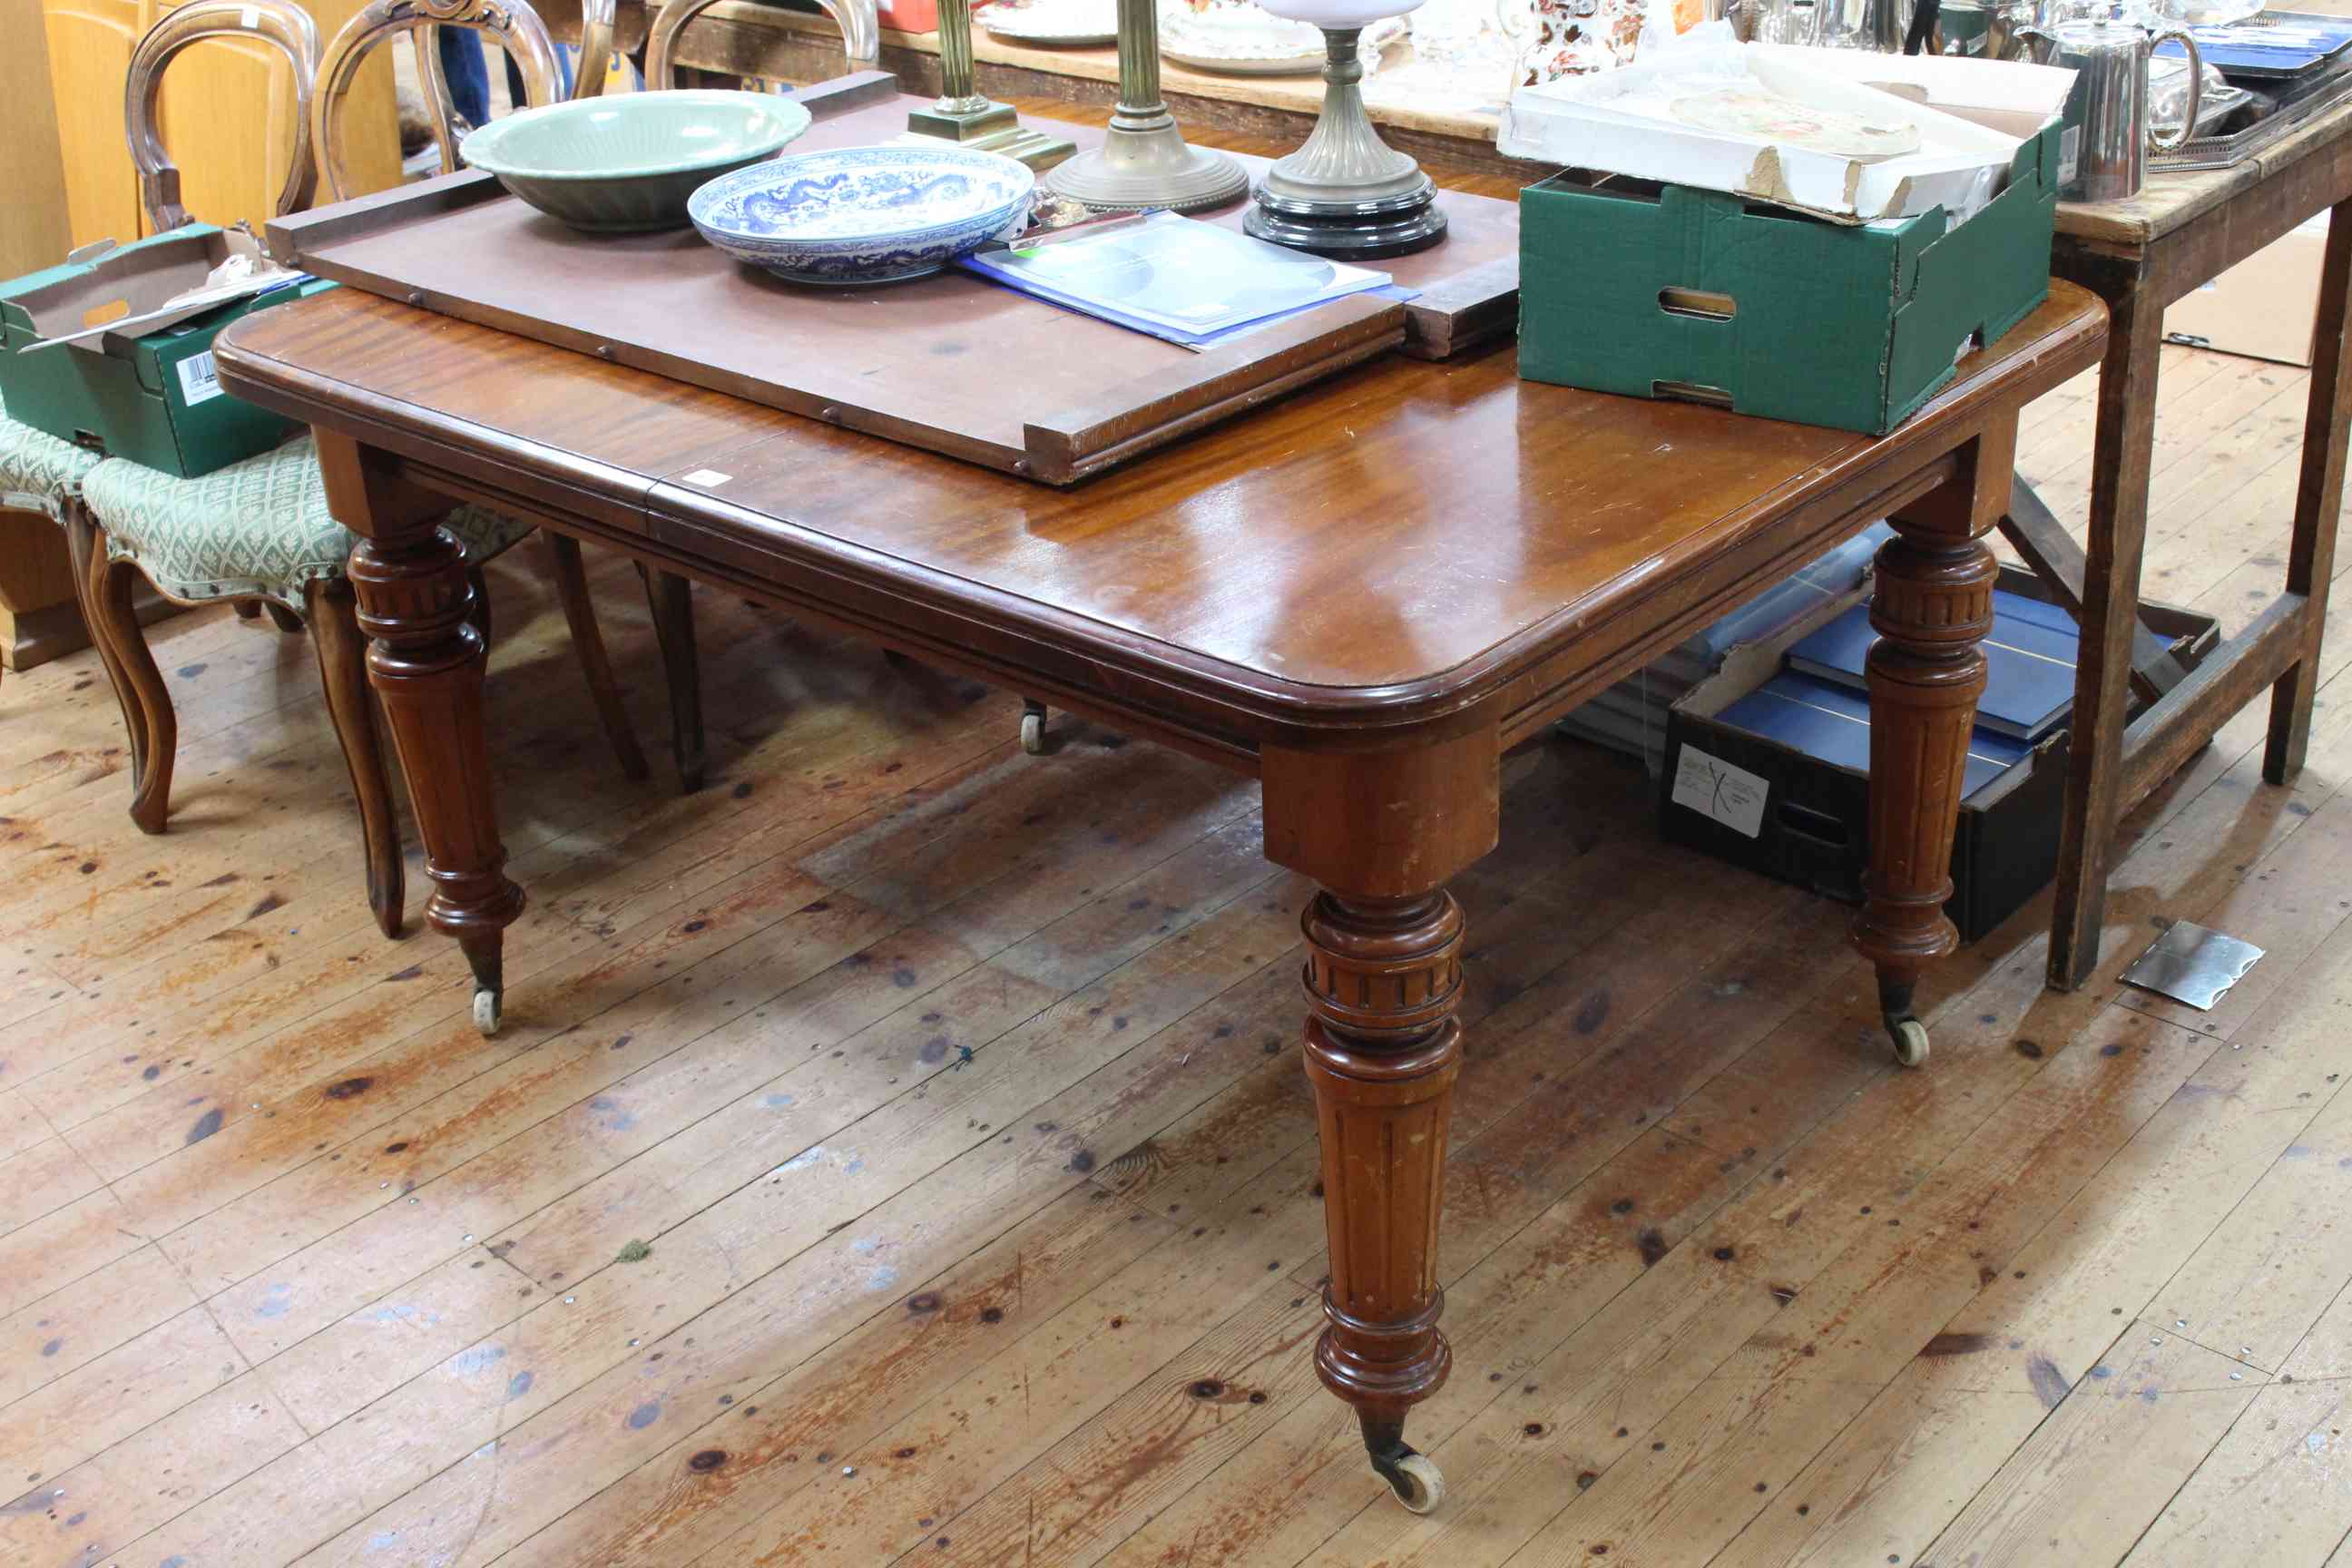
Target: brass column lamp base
x,y
991,128
1144,160
969,118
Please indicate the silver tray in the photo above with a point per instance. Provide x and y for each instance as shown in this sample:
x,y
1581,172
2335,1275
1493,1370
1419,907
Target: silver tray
x,y
2228,152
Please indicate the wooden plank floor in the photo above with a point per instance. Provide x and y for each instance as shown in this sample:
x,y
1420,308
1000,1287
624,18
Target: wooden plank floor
x,y
898,1152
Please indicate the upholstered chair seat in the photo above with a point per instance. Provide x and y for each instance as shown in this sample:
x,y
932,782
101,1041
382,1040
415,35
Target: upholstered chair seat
x,y
259,528
37,472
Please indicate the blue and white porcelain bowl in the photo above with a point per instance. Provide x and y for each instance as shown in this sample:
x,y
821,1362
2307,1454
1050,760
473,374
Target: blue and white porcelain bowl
x,y
863,215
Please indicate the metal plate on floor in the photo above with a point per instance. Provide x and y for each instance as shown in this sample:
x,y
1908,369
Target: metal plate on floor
x,y
2193,965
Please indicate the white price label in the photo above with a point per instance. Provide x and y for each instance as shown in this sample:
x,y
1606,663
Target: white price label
x,y
199,379
709,479
1713,787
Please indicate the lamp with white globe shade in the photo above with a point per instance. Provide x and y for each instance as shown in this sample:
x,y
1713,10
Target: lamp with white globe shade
x,y
1345,192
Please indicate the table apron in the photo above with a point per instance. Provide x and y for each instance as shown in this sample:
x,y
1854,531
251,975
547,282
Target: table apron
x,y
1155,708
1126,679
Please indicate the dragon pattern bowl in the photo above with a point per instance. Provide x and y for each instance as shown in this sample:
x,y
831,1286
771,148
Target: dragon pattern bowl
x,y
863,215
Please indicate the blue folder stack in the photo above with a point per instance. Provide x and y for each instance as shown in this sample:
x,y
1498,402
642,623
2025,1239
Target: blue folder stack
x,y
2029,663
1631,716
1818,705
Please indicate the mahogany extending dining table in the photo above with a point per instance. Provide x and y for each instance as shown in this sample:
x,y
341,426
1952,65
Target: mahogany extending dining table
x,y
1364,594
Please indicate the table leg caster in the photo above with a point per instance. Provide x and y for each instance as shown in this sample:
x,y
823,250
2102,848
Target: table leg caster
x,y
486,1005
1414,1478
1033,728
1903,1025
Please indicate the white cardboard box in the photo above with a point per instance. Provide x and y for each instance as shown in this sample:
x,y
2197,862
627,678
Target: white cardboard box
x,y
1610,122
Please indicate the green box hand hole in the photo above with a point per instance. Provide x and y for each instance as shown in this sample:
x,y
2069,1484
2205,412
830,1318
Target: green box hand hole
x,y
1700,302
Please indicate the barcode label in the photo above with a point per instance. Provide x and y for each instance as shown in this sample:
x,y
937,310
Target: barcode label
x,y
1714,788
199,378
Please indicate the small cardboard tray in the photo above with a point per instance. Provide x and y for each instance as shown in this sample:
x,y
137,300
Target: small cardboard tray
x,y
90,354
949,362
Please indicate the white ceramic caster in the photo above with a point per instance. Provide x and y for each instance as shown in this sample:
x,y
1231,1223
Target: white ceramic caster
x,y
1910,1042
1417,1482
486,1012
1033,734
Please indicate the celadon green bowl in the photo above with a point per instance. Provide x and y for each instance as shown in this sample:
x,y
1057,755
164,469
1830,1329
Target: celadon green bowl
x,y
629,161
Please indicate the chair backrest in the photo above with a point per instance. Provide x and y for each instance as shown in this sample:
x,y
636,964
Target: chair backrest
x,y
596,28
860,25
509,22
596,18
280,22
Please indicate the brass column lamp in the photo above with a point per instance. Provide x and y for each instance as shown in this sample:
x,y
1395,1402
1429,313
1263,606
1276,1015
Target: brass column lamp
x,y
965,115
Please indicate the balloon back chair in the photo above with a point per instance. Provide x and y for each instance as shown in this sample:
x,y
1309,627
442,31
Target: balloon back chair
x,y
859,21
518,27
258,531
673,609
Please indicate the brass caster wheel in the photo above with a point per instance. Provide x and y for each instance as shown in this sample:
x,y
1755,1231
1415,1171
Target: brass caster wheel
x,y
1032,729
1910,1037
486,1012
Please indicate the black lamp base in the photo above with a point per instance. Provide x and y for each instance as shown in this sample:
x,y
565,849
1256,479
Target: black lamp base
x,y
1349,231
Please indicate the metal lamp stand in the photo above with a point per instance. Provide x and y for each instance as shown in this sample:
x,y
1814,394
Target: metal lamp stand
x,y
1345,192
969,118
1144,160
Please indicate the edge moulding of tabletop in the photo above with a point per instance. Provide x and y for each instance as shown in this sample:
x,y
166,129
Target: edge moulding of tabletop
x,y
1478,554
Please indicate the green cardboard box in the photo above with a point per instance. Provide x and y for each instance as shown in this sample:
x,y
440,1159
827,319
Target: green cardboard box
x,y
153,398
1653,290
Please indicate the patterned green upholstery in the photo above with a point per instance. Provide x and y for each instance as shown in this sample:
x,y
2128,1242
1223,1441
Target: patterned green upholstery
x,y
259,527
37,472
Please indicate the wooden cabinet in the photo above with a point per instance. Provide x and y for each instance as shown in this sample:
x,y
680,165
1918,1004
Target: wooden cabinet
x,y
226,117
30,169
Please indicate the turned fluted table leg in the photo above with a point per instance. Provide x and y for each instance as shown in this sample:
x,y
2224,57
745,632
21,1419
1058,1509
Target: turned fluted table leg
x,y
1383,1046
425,661
1931,607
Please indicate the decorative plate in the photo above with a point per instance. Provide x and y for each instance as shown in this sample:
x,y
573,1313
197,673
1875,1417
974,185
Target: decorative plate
x,y
1267,64
1784,122
1066,24
863,215
630,161
1237,37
